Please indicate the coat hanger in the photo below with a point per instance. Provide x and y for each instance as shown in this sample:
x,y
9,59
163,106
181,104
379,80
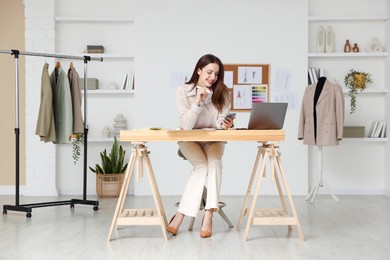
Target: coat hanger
x,y
58,64
71,66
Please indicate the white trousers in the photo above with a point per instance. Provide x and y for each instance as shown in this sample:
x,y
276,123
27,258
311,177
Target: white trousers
x,y
206,159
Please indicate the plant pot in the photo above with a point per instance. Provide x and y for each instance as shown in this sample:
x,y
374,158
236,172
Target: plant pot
x,y
109,185
359,80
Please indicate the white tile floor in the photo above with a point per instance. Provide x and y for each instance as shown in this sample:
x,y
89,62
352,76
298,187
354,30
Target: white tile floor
x,y
356,228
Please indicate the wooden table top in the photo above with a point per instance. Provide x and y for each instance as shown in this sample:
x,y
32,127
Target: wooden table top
x,y
145,135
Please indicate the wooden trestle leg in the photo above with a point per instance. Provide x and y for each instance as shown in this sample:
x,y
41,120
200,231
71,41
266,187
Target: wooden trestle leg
x,y
279,216
131,217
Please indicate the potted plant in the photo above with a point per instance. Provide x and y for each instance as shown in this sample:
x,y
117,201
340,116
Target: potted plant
x,y
356,81
110,174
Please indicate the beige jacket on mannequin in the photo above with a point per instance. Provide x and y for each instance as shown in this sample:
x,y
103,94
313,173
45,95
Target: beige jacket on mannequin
x,y
330,115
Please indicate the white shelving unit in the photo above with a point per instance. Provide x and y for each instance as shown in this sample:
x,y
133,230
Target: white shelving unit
x,y
369,91
111,26
346,166
349,55
332,18
109,91
338,63
71,19
366,139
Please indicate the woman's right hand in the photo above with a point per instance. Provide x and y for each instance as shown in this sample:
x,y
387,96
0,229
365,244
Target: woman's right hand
x,y
201,95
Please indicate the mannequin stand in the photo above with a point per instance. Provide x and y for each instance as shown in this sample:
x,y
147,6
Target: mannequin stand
x,y
321,182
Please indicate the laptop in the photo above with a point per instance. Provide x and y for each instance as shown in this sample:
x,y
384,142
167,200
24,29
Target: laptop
x,y
267,115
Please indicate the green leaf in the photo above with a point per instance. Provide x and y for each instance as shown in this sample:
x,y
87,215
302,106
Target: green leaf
x,y
113,162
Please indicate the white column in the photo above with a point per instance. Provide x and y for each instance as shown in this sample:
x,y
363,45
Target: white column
x,y
40,156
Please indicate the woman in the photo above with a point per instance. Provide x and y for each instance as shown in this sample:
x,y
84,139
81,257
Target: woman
x,y
203,102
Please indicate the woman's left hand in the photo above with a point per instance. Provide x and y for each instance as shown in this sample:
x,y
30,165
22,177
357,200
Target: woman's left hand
x,y
227,123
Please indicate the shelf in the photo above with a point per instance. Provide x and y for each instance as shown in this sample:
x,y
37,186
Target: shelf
x,y
101,139
109,91
346,18
364,139
110,56
93,19
348,55
369,91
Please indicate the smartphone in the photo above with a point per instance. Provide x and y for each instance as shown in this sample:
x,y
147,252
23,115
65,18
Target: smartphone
x,y
231,116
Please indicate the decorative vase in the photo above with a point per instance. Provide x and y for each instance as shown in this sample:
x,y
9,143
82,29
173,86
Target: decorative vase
x,y
321,39
120,124
112,86
106,131
329,40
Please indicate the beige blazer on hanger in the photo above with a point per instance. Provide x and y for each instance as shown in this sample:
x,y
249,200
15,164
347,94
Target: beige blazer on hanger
x,y
45,124
78,125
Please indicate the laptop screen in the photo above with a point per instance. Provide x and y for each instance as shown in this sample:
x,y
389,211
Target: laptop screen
x,y
267,115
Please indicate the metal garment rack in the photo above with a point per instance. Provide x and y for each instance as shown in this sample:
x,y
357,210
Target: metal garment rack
x,y
28,207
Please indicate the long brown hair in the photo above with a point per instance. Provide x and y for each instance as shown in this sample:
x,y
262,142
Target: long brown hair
x,y
220,92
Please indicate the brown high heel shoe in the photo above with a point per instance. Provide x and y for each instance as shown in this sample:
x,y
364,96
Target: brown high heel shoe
x,y
204,233
172,230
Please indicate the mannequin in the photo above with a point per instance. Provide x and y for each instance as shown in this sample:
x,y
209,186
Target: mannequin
x,y
321,122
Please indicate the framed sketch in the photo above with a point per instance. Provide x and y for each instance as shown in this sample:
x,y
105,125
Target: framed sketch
x,y
249,83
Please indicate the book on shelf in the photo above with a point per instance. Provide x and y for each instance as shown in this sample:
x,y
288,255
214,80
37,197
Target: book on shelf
x,y
311,76
314,74
383,132
378,129
128,82
372,128
124,82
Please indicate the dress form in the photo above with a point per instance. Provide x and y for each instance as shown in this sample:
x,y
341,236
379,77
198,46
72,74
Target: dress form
x,y
321,182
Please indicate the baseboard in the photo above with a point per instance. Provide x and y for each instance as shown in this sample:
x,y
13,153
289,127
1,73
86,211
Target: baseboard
x,y
324,191
10,190
76,192
39,192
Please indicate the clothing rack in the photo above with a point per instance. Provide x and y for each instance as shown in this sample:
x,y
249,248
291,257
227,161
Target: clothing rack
x,y
28,207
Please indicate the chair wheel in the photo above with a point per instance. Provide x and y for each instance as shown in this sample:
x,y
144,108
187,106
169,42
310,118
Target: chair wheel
x,y
95,208
5,212
28,215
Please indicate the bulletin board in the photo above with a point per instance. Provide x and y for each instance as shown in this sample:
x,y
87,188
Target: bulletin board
x,y
247,84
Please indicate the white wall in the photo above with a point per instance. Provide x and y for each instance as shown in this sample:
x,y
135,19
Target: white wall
x,y
171,37
387,107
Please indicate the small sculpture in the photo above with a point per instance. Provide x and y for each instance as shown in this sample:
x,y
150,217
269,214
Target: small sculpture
x,y
355,47
347,46
374,46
